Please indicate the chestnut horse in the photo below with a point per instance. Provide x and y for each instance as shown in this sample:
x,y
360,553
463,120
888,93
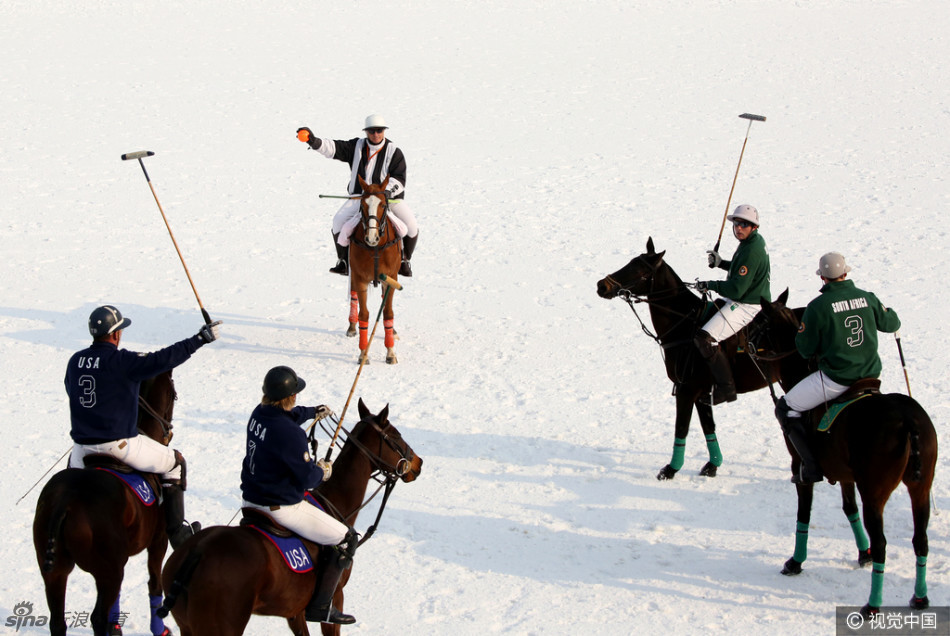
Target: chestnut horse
x,y
678,314
222,575
90,518
877,443
375,248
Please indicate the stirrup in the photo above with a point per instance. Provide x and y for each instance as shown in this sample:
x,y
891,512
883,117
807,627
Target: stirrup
x,y
328,615
340,268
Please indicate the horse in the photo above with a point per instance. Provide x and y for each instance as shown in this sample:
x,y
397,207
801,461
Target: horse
x,y
678,314
375,248
90,518
875,443
222,575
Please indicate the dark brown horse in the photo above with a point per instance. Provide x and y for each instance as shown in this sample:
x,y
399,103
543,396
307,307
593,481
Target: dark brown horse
x,y
375,248
221,576
90,518
677,314
876,443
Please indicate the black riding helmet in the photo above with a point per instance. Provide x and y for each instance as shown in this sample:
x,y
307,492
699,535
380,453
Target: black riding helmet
x,y
105,320
281,382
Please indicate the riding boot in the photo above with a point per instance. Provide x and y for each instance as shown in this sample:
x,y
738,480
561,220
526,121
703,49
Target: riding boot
x,y
176,527
810,471
724,386
408,246
342,257
331,564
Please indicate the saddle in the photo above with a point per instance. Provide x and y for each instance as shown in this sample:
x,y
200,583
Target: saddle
x,y
260,519
296,551
146,486
860,389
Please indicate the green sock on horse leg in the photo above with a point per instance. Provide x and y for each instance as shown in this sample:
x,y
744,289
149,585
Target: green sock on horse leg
x,y
801,542
877,585
679,453
920,584
715,455
860,536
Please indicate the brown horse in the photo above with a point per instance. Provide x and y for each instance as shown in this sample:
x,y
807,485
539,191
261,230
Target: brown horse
x,y
375,248
875,443
90,518
221,576
678,314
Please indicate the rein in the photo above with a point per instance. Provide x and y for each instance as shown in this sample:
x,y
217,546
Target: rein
x,y
166,424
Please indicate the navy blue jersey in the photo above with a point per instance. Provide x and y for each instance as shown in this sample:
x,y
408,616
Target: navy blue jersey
x,y
278,467
103,381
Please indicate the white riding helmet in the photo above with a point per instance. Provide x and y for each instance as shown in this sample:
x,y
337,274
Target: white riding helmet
x,y
745,212
375,121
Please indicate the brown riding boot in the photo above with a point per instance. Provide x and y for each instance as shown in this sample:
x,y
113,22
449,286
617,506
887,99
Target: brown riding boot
x,y
408,247
342,256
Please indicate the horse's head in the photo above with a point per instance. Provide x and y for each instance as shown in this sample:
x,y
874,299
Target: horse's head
x,y
773,329
156,406
373,207
383,444
636,278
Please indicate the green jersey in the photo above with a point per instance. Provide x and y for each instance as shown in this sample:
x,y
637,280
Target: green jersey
x,y
840,327
749,272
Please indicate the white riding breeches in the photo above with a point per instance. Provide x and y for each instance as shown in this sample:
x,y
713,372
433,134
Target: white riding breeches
x,y
306,520
140,452
351,208
816,388
730,318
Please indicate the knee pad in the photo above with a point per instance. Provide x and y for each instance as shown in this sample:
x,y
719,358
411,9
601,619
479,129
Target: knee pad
x,y
706,345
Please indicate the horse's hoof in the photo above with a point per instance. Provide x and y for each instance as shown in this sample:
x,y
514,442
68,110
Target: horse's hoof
x,y
667,472
864,558
351,331
792,567
709,470
391,359
115,629
919,603
867,611
364,360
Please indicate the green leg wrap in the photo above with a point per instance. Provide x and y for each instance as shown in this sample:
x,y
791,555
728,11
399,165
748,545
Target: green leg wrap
x,y
860,536
801,542
679,453
877,585
920,586
715,456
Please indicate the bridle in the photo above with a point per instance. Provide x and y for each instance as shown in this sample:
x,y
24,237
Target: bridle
x,y
163,421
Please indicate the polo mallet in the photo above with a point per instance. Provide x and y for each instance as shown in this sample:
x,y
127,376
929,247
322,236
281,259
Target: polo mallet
x,y
390,284
900,350
148,153
751,119
354,196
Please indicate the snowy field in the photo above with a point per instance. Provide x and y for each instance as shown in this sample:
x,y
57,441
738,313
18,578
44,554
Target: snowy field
x,y
545,143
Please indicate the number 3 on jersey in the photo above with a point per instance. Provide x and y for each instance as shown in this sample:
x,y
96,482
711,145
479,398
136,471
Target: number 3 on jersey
x,y
856,325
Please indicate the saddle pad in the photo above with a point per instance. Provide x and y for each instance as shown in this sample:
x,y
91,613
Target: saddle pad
x,y
137,483
833,411
295,553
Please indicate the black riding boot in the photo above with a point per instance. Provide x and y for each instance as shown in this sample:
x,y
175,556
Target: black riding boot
x,y
176,527
342,258
408,246
810,471
724,386
331,564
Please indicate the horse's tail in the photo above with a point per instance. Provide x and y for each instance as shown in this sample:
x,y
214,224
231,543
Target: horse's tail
x,y
180,582
912,414
54,533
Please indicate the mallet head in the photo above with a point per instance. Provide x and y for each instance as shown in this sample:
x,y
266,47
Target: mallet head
x,y
390,282
752,117
137,155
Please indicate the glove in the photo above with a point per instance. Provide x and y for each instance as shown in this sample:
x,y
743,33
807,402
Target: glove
x,y
714,258
323,412
702,286
209,333
306,135
326,467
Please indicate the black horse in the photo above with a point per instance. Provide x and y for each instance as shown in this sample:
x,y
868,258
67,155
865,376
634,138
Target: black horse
x,y
678,314
876,442
90,518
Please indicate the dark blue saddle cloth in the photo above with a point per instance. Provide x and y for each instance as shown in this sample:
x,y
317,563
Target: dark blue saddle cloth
x,y
137,483
292,548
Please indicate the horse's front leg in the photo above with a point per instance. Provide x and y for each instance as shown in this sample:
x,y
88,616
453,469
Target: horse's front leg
x,y
806,494
363,319
298,625
706,420
156,555
354,314
849,503
684,412
108,586
388,315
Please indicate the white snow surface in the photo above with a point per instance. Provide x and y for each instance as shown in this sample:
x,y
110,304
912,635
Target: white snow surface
x,y
546,141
